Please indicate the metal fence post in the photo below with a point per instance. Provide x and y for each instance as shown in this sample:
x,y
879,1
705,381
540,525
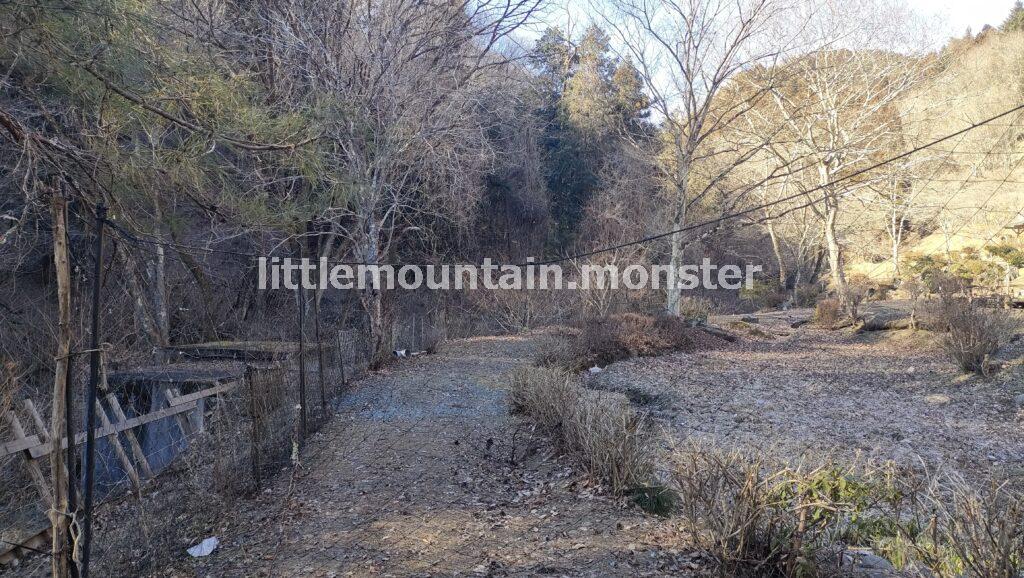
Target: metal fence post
x,y
90,406
314,244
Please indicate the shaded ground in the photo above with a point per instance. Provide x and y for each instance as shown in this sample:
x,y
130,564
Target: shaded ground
x,y
424,473
808,392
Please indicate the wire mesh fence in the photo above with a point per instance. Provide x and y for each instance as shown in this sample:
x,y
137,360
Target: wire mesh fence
x,y
178,442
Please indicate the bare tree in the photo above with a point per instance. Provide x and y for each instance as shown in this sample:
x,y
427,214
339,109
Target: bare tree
x,y
841,105
396,86
687,51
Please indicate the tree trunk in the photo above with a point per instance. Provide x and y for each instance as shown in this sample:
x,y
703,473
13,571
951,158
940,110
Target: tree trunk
x,y
59,516
674,293
777,250
372,299
206,323
835,261
143,316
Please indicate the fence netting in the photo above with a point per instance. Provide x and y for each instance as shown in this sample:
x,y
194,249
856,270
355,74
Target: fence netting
x,y
179,443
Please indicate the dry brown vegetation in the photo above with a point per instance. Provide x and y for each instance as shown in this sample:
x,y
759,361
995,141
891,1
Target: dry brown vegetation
x,y
599,342
970,334
611,441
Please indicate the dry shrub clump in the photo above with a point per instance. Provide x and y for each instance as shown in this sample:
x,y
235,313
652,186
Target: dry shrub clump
x,y
544,395
606,340
758,519
600,430
828,312
971,333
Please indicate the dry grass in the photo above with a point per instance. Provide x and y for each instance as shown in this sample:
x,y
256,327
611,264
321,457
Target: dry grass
x,y
612,442
760,519
544,395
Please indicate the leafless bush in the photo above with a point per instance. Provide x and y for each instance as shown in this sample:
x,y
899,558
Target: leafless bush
x,y
545,396
612,442
606,340
984,532
695,310
972,334
513,311
827,312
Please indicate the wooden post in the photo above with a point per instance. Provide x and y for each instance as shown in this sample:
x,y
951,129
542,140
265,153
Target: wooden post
x,y
59,516
183,423
122,455
133,442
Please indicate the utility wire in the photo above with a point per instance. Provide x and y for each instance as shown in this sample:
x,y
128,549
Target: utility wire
x,y
649,238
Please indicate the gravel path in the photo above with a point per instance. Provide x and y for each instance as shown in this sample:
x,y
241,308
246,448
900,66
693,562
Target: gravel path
x,y
424,473
814,394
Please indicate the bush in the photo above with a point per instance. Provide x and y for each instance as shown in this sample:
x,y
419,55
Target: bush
x,y
605,340
827,312
611,440
761,520
764,294
695,310
544,395
971,334
600,430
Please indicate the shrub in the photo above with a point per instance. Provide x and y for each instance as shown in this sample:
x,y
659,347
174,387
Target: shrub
x,y
606,340
600,430
827,312
611,440
971,333
695,310
546,396
764,294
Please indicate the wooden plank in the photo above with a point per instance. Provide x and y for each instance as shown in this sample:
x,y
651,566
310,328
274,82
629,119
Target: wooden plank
x,y
34,471
45,448
19,445
133,442
186,430
122,455
37,419
190,397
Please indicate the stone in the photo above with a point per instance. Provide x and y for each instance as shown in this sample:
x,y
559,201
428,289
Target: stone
x,y
864,563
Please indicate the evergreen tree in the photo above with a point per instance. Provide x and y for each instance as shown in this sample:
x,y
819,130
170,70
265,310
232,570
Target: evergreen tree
x,y
1015,21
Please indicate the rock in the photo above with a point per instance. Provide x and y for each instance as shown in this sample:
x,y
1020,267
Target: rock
x,y
749,319
1019,400
937,399
866,564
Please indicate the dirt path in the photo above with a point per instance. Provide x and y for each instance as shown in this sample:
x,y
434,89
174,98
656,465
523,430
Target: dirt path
x,y
424,473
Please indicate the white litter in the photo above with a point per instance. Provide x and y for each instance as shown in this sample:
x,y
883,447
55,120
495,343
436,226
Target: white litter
x,y
204,548
595,369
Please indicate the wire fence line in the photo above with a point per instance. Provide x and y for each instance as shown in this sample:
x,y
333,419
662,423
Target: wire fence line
x,y
202,423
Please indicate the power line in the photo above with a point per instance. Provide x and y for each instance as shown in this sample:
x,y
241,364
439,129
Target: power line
x,y
649,238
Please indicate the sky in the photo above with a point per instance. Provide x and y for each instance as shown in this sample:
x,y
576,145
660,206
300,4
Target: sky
x,y
958,15
953,17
